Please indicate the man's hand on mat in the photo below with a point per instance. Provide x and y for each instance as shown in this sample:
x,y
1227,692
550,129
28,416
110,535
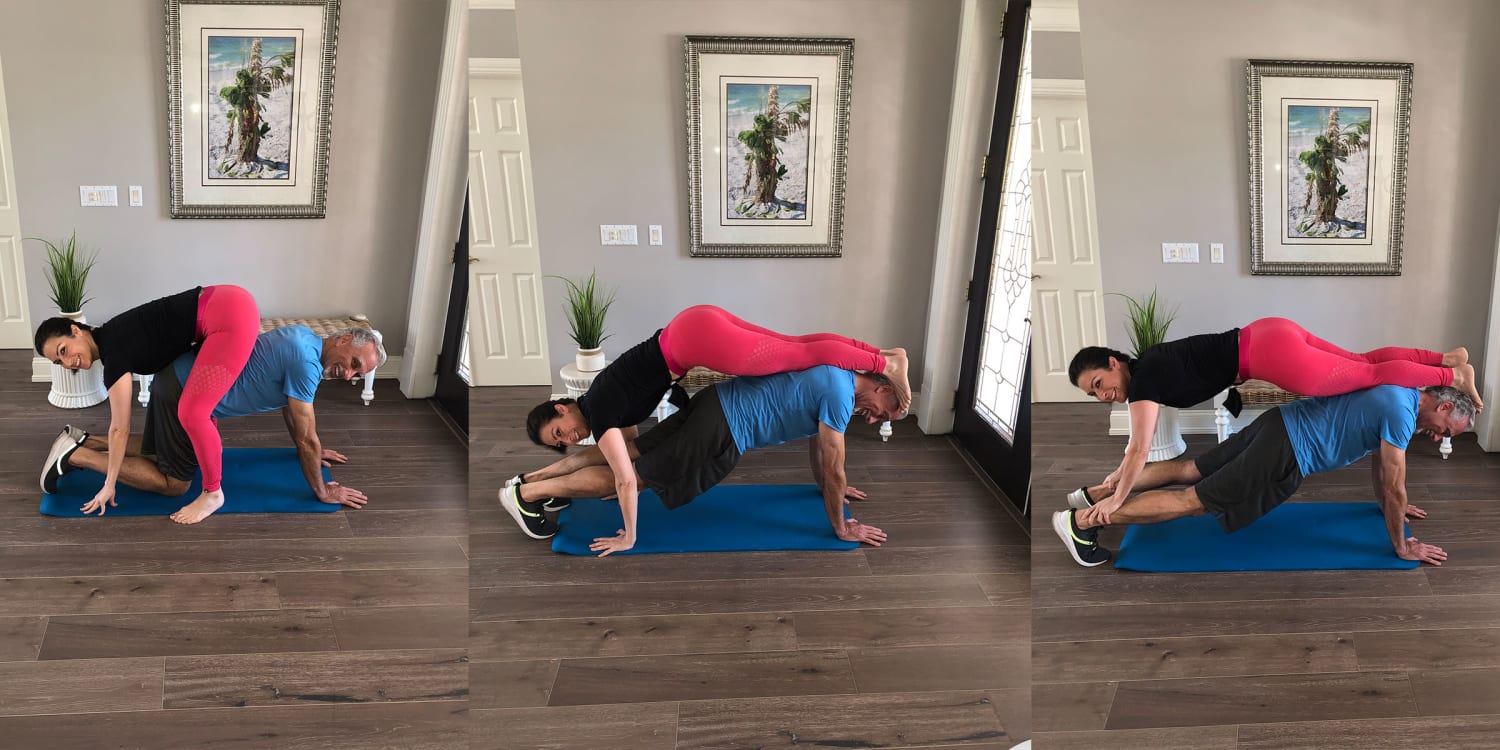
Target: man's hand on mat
x,y
333,457
105,497
607,544
1100,513
1413,511
1420,552
338,494
854,531
851,493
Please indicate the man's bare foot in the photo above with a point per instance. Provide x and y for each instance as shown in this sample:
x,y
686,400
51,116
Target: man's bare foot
x,y
201,508
1463,379
1459,356
896,368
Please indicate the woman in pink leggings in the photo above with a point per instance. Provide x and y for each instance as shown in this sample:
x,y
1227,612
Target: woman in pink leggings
x,y
221,321
1189,371
631,387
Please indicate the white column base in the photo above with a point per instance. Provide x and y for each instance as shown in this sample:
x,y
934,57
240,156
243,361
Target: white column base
x,y
77,389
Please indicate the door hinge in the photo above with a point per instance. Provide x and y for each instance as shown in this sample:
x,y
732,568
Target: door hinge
x,y
984,166
969,290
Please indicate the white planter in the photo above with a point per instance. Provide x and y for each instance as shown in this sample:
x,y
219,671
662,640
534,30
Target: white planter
x,y
1166,442
78,389
589,360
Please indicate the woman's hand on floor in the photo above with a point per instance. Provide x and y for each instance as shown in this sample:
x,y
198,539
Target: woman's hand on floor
x,y
333,457
851,493
607,544
105,497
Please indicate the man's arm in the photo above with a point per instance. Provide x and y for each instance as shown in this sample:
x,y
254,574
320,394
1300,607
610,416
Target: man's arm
x,y
1389,468
301,424
829,451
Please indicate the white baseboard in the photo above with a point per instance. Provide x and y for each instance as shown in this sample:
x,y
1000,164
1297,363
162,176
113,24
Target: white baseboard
x,y
41,369
1189,421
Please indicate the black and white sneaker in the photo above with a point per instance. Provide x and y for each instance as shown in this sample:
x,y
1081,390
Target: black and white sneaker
x,y
57,461
1080,499
515,480
1082,544
77,434
529,516
555,504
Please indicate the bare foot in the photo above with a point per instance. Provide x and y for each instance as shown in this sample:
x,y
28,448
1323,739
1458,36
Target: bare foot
x,y
896,369
1463,379
1459,356
201,508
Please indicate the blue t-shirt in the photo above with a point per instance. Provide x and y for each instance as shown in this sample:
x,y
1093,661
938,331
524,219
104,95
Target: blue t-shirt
x,y
286,363
773,409
1332,432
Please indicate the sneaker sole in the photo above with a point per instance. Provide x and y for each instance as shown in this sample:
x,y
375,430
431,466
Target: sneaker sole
x,y
62,445
514,509
1062,528
1079,500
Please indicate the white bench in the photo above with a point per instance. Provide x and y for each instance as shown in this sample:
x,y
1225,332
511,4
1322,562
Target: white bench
x,y
1259,396
324,327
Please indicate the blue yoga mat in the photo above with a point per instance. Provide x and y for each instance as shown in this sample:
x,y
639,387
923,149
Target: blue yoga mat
x,y
726,518
1294,536
256,480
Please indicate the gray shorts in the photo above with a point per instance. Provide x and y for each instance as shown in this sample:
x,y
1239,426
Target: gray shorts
x,y
1248,475
689,452
163,438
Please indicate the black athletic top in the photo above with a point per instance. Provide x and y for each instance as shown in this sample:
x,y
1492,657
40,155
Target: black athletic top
x,y
146,338
1187,371
628,390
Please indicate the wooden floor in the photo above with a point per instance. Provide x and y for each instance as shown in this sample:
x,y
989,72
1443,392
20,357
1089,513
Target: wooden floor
x,y
1326,659
342,630
920,643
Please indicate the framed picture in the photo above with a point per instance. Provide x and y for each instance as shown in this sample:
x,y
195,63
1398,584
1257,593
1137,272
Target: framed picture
x,y
249,105
1327,166
767,134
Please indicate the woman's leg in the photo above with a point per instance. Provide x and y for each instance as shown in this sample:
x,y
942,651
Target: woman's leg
x,y
708,336
228,322
1283,353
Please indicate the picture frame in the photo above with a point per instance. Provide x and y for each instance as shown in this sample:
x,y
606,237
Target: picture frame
x,y
1328,144
767,140
249,107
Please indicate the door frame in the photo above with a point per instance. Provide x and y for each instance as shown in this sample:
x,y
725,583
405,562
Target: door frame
x,y
1009,465
442,208
13,261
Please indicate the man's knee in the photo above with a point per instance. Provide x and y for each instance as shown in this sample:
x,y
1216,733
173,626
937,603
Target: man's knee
x,y
176,487
1185,471
1191,503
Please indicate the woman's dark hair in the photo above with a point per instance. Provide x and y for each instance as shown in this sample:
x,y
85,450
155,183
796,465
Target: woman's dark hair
x,y
1093,358
539,416
52,328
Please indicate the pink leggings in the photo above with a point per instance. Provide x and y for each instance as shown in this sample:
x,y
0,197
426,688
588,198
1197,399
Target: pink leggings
x,y
708,336
228,323
1280,351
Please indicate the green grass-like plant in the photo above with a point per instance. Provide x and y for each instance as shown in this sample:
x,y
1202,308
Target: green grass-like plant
x,y
68,273
586,308
1146,321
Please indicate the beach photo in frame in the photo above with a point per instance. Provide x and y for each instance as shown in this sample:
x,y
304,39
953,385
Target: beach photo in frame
x,y
767,136
1328,143
249,106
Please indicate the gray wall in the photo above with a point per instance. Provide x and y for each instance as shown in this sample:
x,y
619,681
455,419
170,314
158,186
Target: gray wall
x,y
1056,54
605,112
492,33
1166,97
86,89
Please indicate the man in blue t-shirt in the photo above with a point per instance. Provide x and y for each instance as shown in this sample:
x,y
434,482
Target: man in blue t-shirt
x,y
695,448
283,373
1258,468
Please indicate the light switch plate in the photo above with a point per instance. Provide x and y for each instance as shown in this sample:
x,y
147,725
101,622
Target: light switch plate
x,y
1179,252
1216,252
136,197
98,195
617,234
655,233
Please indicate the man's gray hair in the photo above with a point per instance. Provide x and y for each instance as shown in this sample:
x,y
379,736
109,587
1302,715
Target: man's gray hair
x,y
363,336
1463,406
879,378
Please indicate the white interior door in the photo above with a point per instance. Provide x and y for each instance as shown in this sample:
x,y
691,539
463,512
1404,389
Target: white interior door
x,y
15,324
508,327
1068,307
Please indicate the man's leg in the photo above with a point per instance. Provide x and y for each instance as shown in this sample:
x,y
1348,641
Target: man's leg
x,y
137,471
591,481
100,445
1155,506
1159,474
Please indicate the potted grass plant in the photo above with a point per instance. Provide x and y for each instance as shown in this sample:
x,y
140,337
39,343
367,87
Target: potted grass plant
x,y
1146,324
586,307
67,280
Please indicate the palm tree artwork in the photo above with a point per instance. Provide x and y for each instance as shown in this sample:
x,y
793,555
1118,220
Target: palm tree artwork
x,y
251,106
1334,171
769,126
